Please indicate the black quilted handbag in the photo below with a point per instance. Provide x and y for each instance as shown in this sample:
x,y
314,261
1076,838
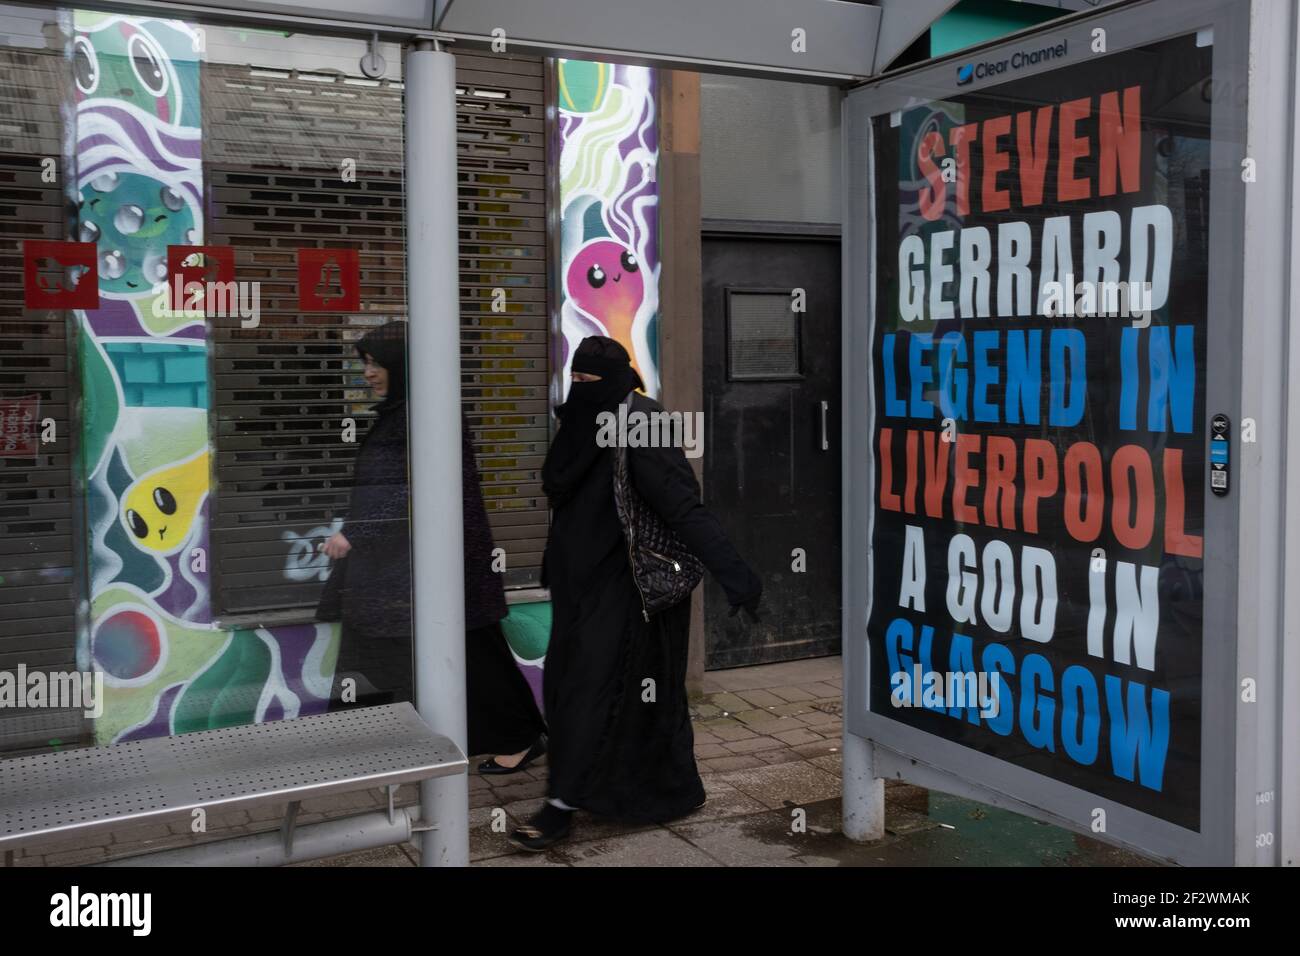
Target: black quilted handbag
x,y
664,569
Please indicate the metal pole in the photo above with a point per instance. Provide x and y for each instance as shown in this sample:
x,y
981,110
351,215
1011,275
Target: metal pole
x,y
313,841
437,551
863,803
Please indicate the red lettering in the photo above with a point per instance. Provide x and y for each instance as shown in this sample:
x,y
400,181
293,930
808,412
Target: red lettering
x,y
1000,482
1084,524
965,477
1070,149
888,498
995,161
1040,479
960,138
1140,506
909,489
1177,541
1032,149
936,473
1120,142
933,197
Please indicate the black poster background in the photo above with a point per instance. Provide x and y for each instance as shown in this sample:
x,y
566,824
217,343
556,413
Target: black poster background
x,y
1174,77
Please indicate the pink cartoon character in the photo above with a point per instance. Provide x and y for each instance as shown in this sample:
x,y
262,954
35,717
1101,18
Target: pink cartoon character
x,y
604,281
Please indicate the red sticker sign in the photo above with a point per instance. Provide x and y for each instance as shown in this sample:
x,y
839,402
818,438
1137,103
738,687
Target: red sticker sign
x,y
46,281
329,280
18,421
217,265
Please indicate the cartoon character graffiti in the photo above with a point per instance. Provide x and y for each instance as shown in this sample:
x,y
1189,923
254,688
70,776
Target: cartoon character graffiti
x,y
135,146
133,219
124,58
304,562
159,509
138,153
609,199
604,282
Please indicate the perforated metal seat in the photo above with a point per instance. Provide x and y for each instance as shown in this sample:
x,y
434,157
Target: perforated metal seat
x,y
77,791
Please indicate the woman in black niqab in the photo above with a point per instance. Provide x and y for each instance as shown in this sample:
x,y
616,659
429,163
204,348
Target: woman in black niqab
x,y
612,752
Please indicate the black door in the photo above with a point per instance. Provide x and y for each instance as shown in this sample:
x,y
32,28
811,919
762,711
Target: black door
x,y
772,456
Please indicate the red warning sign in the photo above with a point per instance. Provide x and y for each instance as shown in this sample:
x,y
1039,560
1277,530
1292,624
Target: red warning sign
x,y
47,282
329,280
201,264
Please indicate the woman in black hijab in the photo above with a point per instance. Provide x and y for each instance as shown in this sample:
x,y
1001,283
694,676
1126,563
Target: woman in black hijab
x,y
613,750
371,589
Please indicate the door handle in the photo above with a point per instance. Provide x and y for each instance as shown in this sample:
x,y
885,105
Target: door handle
x,y
825,439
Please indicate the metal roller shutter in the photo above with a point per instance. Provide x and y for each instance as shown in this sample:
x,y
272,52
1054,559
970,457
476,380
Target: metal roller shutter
x,y
502,163
37,519
274,142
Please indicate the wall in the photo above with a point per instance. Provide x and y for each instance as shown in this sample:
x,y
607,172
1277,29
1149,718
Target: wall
x,y
769,150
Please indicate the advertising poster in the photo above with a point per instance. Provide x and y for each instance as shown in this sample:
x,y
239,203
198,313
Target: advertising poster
x,y
1039,448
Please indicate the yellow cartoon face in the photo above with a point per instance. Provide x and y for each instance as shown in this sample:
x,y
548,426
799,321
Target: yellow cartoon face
x,y
159,508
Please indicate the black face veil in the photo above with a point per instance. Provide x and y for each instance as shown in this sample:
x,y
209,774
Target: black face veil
x,y
574,449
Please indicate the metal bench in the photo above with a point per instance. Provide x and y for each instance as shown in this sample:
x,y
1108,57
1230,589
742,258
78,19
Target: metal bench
x,y
167,778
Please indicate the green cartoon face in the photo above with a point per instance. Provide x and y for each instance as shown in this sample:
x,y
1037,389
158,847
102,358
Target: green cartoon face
x,y
133,219
154,69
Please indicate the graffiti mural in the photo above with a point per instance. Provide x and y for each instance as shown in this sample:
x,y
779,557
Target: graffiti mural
x,y
136,148
609,213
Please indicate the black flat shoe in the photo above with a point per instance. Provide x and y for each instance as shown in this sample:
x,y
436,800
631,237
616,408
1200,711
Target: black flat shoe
x,y
548,827
490,766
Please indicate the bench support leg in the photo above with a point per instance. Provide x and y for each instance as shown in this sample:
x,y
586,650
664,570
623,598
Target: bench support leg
x,y
392,803
286,828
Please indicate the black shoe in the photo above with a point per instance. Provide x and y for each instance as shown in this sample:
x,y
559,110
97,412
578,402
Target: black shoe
x,y
548,827
491,767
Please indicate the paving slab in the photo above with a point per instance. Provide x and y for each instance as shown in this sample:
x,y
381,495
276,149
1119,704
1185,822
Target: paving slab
x,y
657,847
785,784
723,800
380,856
484,840
772,838
753,745
774,725
735,730
729,702
520,858
819,747
705,751
792,693
784,755
723,764
831,763
801,735
761,698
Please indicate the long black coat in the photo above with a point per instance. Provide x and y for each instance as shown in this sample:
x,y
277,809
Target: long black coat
x,y
371,588
620,746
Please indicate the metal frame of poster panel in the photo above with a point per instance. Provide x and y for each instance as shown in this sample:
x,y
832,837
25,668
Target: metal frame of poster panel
x,y
903,750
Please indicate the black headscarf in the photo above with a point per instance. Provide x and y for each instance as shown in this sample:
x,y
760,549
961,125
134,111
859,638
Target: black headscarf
x,y
387,346
574,449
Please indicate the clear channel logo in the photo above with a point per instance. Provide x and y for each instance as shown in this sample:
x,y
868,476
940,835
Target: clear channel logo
x,y
982,69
